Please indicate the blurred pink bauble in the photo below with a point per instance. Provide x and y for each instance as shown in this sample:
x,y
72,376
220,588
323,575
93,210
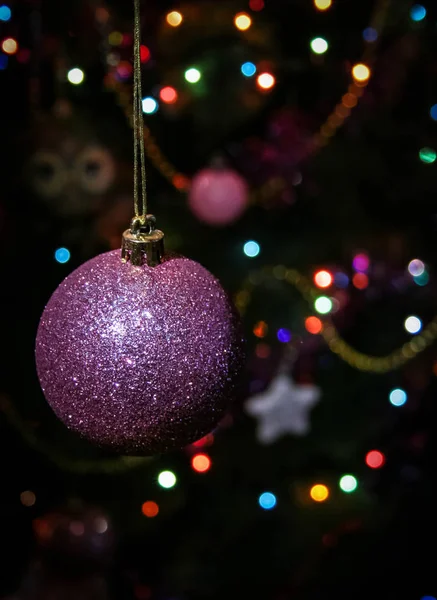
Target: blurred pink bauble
x,y
218,196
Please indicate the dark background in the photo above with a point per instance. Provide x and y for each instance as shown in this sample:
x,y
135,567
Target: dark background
x,y
367,190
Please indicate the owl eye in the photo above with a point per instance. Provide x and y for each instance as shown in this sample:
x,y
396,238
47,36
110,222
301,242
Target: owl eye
x,y
47,174
95,170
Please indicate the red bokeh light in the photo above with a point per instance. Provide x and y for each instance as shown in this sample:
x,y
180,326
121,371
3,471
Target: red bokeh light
x,y
360,281
145,54
375,459
256,5
150,509
313,325
323,279
168,95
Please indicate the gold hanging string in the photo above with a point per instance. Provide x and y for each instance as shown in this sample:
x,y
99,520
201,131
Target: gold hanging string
x,y
140,180
357,360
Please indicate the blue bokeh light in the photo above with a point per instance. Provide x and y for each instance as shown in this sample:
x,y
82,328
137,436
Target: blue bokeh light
x,y
284,335
251,249
248,69
267,501
150,105
370,34
433,112
62,255
5,13
418,12
3,61
398,397
428,598
341,280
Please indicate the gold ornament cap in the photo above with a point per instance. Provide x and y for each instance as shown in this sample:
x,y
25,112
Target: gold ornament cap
x,y
142,244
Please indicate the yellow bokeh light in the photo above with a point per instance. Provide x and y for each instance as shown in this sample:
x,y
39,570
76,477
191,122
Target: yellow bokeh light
x,y
9,46
322,4
319,492
174,18
242,21
266,81
361,72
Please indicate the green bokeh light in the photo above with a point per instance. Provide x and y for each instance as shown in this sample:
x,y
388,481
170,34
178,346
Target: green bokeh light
x,y
427,155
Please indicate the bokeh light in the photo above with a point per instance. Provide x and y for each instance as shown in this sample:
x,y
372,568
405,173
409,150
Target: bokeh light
x,y
242,21
416,267
428,598
5,13
361,72
323,305
322,4
427,155
168,95
201,463
267,500
62,255
150,509
27,498
433,112
193,75
348,483
115,38
3,62
260,329
284,335
421,279
319,492
167,479
150,105
248,69
370,34
360,281
10,46
413,324
76,76
341,280
323,279
361,263
417,12
313,325
256,5
265,81
251,249
319,45
397,397
174,18
144,54
375,459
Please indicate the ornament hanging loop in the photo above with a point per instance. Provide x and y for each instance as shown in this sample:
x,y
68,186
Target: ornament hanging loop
x,y
142,243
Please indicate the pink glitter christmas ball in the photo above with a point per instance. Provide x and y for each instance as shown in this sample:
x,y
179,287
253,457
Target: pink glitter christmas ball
x,y
218,196
139,360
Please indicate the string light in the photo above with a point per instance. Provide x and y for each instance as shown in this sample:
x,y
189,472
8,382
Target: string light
x,y
323,279
398,397
267,500
375,459
168,95
167,479
319,492
248,69
10,46
427,155
313,325
201,463
417,12
323,305
348,483
150,509
361,72
284,335
174,18
260,330
193,75
242,21
322,4
319,45
150,105
76,76
416,267
413,324
5,13
265,81
251,249
62,255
